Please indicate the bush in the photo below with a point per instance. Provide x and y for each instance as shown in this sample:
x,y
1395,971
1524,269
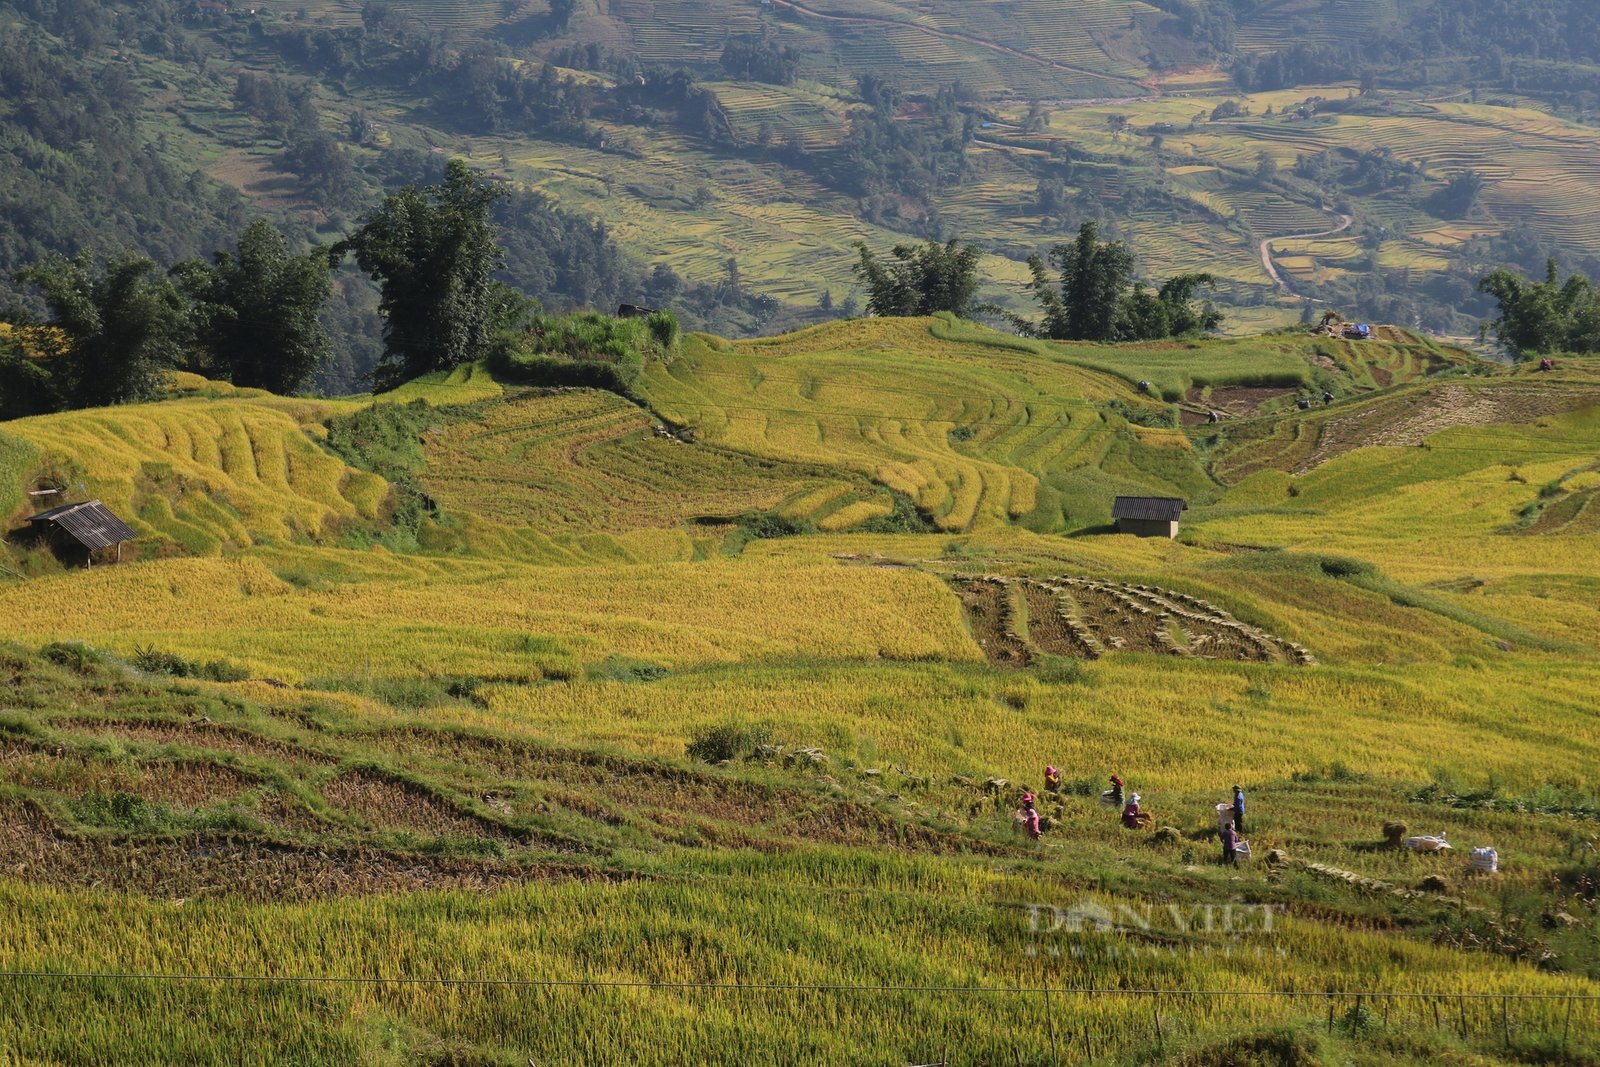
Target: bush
x,y
73,655
154,661
728,741
585,350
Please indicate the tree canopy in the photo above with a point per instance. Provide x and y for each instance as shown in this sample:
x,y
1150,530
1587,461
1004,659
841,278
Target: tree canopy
x,y
1096,298
125,324
1547,316
920,279
257,311
433,253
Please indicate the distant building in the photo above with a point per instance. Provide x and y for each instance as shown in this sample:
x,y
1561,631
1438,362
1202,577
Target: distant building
x,y
1148,516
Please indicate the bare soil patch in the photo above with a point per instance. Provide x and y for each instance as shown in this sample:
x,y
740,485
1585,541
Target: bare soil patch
x,y
1410,419
1118,625
383,802
858,824
985,601
34,849
1047,629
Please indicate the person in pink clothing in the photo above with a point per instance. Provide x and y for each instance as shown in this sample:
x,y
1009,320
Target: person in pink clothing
x,y
1029,815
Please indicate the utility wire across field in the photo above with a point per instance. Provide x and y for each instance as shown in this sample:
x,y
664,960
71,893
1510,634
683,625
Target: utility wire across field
x,y
763,987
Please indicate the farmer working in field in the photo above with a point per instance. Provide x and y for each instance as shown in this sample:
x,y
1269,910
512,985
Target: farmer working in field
x,y
1230,845
1052,780
1238,809
1026,820
1133,817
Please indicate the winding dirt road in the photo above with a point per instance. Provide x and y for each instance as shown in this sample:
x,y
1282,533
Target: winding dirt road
x,y
1345,222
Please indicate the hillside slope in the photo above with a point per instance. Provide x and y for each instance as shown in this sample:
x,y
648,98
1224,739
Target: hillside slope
x,y
620,716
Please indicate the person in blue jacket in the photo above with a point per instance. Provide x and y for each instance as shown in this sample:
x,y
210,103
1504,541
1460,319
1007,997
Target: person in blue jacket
x,y
1238,809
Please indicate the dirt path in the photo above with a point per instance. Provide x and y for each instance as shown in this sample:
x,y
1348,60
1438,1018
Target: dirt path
x,y
1345,222
949,35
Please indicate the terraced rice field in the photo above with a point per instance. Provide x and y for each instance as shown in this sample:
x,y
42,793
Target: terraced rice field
x,y
590,461
471,760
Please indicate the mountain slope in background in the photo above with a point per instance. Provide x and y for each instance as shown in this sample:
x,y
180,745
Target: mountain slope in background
x,y
722,157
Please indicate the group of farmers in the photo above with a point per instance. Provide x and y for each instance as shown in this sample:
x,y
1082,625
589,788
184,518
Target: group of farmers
x,y
1230,816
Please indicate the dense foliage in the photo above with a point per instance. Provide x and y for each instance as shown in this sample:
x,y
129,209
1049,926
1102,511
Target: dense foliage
x,y
125,326
433,254
920,279
1538,318
1096,297
258,311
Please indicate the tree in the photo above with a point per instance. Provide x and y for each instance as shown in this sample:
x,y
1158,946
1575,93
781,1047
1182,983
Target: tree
x,y
561,13
1095,298
126,325
1094,275
1459,196
1547,316
27,384
921,279
433,254
259,311
1177,296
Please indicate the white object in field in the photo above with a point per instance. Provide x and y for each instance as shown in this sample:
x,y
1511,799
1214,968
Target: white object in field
x,y
1486,860
1109,796
1243,850
1224,816
1427,843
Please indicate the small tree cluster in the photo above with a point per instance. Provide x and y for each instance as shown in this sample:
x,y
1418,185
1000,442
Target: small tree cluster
x,y
1096,298
1547,316
920,279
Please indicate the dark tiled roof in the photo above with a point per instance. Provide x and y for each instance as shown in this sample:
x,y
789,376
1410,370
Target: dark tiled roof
x,y
1153,508
91,524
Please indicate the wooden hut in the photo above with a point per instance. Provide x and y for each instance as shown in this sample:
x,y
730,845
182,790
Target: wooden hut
x,y
1148,516
88,528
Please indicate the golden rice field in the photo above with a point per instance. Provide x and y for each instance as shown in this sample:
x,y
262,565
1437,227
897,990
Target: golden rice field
x,y
461,760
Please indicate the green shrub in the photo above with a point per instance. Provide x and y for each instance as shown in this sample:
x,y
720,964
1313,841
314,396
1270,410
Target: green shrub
x,y
727,741
154,661
585,350
74,655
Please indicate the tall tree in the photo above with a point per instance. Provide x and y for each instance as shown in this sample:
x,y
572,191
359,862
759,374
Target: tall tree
x,y
921,279
1096,298
126,325
1094,276
259,310
433,254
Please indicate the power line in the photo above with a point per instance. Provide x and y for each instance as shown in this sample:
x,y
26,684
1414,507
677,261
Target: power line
x,y
754,987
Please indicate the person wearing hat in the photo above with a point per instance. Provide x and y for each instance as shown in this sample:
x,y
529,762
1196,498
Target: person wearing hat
x,y
1238,809
1032,815
1052,780
1132,817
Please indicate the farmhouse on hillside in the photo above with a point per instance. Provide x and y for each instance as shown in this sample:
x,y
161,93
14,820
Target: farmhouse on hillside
x,y
1148,516
88,526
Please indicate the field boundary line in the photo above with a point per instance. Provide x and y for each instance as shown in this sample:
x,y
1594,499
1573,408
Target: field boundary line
x,y
844,987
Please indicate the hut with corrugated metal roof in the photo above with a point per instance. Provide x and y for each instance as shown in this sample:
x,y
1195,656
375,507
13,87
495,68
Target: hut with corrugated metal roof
x,y
1148,516
83,529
